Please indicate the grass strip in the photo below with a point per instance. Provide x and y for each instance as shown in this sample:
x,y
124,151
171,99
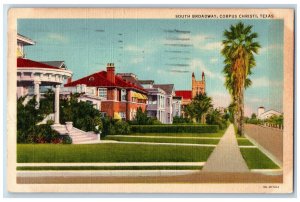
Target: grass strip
x,y
34,168
220,133
244,142
163,140
110,152
255,159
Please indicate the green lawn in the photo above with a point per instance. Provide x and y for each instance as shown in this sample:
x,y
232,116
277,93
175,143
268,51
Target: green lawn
x,y
244,142
255,159
163,140
218,134
47,153
33,168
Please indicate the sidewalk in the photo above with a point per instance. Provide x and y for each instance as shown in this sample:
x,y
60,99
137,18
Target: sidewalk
x,y
226,157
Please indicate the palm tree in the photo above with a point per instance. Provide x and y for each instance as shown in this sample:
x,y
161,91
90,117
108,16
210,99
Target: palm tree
x,y
239,48
199,106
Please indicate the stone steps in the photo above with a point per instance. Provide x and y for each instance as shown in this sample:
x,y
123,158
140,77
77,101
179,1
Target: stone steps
x,y
78,136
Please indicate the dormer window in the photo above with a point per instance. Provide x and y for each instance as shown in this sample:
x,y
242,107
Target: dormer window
x,y
91,78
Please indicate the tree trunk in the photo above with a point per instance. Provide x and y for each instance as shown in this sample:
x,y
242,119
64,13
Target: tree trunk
x,y
241,113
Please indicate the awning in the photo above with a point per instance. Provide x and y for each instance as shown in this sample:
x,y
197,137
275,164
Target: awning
x,y
139,96
117,116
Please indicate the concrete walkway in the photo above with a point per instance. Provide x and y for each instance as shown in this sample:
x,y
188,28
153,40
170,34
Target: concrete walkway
x,y
114,164
226,157
167,137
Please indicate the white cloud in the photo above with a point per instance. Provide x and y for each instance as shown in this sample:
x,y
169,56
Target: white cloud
x,y
213,60
57,37
136,60
265,82
211,46
265,49
220,99
254,100
199,64
205,42
134,48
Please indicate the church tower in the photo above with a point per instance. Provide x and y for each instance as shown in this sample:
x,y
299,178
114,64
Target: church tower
x,y
198,86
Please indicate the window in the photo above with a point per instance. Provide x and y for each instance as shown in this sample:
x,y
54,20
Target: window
x,y
123,115
102,93
123,95
103,114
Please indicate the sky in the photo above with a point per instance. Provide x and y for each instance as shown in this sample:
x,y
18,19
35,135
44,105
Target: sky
x,y
163,50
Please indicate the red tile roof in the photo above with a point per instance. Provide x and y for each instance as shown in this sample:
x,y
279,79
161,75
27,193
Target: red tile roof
x,y
99,79
185,94
23,63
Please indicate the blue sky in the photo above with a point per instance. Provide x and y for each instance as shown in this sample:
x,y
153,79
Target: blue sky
x,y
149,49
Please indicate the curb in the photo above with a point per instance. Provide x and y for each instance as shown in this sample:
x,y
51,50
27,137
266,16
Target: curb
x,y
115,173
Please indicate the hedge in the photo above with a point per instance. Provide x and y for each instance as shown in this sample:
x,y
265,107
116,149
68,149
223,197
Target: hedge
x,y
174,128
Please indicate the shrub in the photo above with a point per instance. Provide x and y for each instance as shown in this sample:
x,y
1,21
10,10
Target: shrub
x,y
114,127
214,117
174,128
122,128
66,139
181,119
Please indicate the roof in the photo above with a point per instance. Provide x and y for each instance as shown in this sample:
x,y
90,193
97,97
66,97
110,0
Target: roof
x,y
146,81
185,94
99,79
58,64
25,40
271,111
168,88
24,63
131,78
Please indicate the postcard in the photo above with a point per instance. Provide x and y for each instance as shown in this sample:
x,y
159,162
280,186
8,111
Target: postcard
x,y
150,100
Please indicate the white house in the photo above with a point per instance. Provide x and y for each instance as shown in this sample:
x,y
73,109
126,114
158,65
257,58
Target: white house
x,y
32,75
262,114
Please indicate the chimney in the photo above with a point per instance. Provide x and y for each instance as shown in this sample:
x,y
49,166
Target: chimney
x,y
203,76
193,75
69,80
110,72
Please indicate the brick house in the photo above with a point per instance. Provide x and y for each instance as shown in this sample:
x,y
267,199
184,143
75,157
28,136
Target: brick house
x,y
111,94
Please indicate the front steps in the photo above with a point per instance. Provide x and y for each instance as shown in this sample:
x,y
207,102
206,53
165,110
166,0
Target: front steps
x,y
78,136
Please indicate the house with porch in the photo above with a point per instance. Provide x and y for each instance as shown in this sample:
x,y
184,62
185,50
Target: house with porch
x,y
160,100
33,75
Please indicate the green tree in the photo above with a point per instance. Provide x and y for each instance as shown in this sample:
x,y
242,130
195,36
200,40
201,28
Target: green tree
x,y
83,115
214,117
141,118
253,116
239,47
199,106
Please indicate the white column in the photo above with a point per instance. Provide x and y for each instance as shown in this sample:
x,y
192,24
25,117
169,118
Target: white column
x,y
37,92
56,105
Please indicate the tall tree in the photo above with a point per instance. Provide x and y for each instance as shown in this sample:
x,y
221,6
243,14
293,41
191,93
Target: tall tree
x,y
239,47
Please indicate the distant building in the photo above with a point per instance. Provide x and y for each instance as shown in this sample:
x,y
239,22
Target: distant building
x,y
112,94
176,106
262,114
198,87
160,100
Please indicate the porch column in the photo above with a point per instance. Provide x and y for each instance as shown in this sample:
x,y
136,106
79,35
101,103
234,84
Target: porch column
x,y
56,105
37,92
